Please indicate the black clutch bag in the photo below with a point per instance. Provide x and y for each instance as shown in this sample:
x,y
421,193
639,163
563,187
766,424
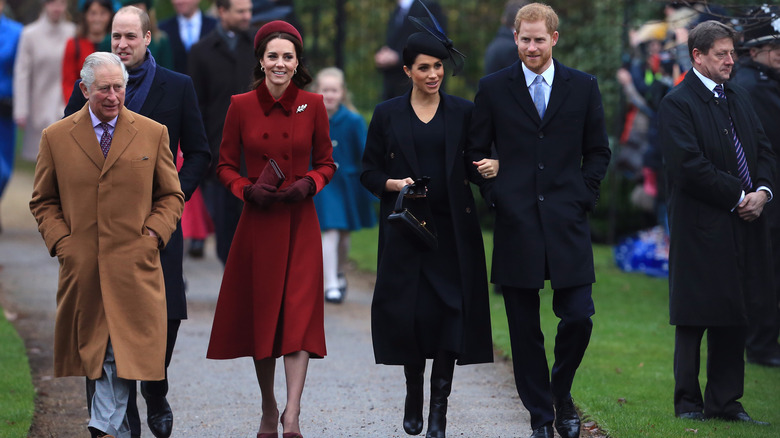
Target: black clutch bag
x,y
407,224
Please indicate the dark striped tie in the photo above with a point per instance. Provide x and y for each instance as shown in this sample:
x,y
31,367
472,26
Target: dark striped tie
x,y
744,173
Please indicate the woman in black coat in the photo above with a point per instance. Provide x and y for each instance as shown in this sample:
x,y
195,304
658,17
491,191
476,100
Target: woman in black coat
x,y
428,304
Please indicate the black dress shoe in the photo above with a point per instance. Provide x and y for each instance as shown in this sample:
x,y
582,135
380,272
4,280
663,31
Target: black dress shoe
x,y
567,422
695,415
545,431
741,417
159,416
196,248
770,361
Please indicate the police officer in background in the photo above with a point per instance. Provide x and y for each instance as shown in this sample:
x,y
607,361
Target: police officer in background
x,y
759,73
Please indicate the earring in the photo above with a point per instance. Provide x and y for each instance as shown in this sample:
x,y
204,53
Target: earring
x,y
295,72
262,69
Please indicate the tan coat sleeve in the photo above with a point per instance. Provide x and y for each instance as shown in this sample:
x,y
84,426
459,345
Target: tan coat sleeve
x,y
45,203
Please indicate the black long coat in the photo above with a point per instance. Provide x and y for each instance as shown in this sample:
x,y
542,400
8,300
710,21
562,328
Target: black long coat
x,y
549,177
171,101
710,282
217,74
763,85
390,154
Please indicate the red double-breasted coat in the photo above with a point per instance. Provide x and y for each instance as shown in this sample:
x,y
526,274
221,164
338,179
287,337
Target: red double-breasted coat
x,y
271,300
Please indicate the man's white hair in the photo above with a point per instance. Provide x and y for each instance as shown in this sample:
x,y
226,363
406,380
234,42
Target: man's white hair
x,y
100,59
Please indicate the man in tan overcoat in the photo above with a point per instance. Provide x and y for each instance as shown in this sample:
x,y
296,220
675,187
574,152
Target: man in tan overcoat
x,y
107,198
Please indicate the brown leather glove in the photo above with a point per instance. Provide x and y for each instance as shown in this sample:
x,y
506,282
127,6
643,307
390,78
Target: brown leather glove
x,y
298,191
262,195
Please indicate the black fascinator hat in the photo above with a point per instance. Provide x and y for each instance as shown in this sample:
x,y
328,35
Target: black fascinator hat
x,y
432,41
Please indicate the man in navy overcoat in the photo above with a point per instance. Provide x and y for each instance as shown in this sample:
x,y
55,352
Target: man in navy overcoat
x,y
553,151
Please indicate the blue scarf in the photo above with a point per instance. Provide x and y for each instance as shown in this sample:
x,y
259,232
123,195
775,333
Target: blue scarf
x,y
139,83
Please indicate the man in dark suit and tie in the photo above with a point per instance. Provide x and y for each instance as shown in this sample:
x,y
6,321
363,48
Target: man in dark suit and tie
x,y
185,29
547,123
388,58
221,66
167,98
720,171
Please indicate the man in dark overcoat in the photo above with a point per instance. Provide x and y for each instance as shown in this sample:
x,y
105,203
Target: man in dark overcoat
x,y
759,74
185,29
220,66
547,123
720,170
388,58
167,98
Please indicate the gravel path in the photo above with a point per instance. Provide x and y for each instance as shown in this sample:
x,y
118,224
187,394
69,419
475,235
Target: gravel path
x,y
346,395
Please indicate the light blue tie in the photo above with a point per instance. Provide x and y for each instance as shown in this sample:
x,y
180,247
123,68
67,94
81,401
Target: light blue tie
x,y
541,106
190,32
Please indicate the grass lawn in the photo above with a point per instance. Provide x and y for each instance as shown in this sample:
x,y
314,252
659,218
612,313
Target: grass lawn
x,y
625,382
16,389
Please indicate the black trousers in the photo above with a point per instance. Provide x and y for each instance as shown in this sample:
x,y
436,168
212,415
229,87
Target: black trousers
x,y
764,331
725,370
159,388
536,385
225,210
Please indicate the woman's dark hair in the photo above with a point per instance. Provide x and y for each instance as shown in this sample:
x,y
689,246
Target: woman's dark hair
x,y
301,78
81,32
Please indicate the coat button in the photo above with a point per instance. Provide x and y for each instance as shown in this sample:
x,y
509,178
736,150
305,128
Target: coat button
x,y
285,135
541,197
541,135
265,136
286,156
465,182
541,166
265,157
725,131
468,209
392,155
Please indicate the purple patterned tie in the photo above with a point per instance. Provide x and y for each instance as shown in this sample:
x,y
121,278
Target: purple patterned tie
x,y
105,139
744,173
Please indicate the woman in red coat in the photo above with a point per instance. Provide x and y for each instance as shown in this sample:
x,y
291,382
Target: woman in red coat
x,y
94,25
271,303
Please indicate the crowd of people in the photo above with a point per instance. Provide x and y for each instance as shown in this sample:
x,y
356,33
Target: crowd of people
x,y
214,123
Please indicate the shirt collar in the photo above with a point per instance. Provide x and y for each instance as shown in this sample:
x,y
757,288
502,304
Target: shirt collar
x,y
405,4
267,102
709,83
195,19
548,74
96,121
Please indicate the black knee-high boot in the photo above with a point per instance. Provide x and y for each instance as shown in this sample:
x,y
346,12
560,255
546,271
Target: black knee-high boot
x,y
441,384
413,407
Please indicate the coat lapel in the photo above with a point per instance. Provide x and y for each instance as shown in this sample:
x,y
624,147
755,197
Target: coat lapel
x,y
519,90
559,93
123,135
401,121
452,133
84,134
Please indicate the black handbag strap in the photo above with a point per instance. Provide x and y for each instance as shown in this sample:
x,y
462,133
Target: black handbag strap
x,y
399,202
